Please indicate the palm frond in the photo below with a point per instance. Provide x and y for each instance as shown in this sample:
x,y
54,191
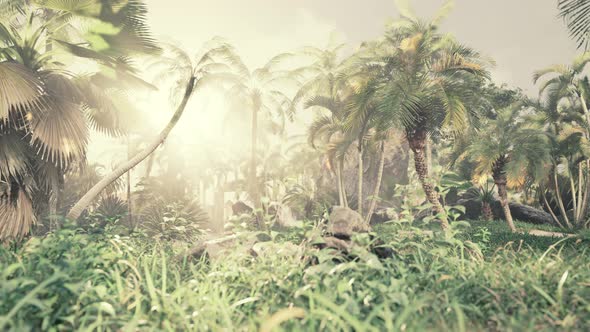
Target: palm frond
x,y
20,89
576,14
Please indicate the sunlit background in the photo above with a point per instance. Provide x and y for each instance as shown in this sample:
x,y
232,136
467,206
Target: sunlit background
x,y
520,35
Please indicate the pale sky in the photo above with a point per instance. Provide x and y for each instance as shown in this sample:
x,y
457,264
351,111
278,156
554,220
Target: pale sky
x,y
521,35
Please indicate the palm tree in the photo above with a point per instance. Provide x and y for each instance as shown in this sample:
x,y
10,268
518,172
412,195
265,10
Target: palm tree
x,y
326,85
45,113
208,67
259,90
509,148
424,87
566,82
331,130
575,14
565,93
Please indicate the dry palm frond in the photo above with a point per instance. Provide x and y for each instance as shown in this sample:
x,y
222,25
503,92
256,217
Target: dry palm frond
x,y
20,89
16,216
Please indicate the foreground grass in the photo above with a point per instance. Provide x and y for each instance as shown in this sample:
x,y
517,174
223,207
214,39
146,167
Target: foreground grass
x,y
75,281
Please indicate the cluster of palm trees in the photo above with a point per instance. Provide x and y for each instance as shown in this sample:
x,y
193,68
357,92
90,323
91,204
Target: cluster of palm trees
x,y
414,82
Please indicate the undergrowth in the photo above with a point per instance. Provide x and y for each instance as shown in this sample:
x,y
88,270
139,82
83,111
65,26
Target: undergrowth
x,y
95,282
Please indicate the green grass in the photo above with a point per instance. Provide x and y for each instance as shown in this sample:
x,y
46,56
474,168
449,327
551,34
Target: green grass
x,y
98,283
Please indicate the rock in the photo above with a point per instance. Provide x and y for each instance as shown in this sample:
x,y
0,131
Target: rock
x,y
214,247
344,222
274,249
239,208
285,218
383,215
338,244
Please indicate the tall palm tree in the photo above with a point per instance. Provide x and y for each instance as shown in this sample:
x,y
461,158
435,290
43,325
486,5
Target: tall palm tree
x,y
509,148
425,88
565,92
260,91
209,66
331,130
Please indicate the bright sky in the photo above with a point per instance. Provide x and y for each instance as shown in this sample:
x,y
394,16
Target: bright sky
x,y
522,36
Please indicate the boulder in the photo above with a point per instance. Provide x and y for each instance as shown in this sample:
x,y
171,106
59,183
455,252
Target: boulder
x,y
344,222
239,208
382,215
285,218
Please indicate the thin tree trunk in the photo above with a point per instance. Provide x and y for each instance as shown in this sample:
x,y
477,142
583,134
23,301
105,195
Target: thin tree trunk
x,y
83,203
429,156
586,195
342,183
417,145
501,184
560,200
574,198
53,199
377,185
579,211
486,210
254,145
129,203
551,211
150,165
339,184
360,180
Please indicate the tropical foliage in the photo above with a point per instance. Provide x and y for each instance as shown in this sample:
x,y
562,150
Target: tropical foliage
x,y
345,188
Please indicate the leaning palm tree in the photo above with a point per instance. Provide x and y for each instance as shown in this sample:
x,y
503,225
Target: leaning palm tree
x,y
192,76
45,115
575,14
509,148
424,87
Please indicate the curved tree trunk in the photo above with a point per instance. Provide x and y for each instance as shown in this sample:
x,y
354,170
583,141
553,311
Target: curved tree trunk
x,y
377,185
83,203
360,180
504,202
499,176
417,143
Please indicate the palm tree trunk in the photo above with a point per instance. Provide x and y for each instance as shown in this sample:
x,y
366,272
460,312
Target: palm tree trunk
x,y
53,199
501,184
360,180
377,185
83,203
129,204
339,184
499,176
555,219
429,156
342,183
254,145
417,143
150,165
486,210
